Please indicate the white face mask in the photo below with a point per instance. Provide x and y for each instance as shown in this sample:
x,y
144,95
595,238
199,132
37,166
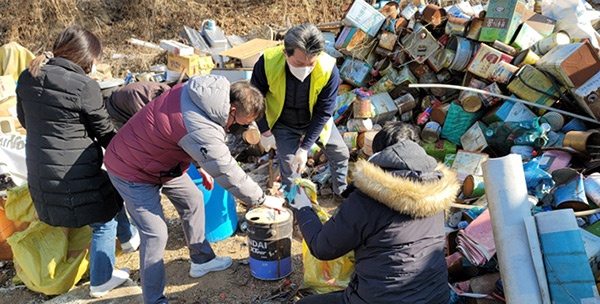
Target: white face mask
x,y
300,73
92,70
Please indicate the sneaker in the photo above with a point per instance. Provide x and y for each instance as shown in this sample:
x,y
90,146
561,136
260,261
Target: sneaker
x,y
133,244
216,264
119,276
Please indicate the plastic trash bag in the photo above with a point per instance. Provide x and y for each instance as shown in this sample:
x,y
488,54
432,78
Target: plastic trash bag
x,y
47,259
539,182
322,276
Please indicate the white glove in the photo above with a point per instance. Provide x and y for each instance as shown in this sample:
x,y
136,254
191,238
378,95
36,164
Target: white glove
x,y
301,200
299,161
273,202
267,142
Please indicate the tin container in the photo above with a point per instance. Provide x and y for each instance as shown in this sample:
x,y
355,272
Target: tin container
x,y
462,49
431,132
438,114
525,57
362,108
405,103
503,47
571,194
471,101
473,186
359,124
456,26
350,139
430,78
475,28
433,15
489,100
503,72
592,188
582,141
545,45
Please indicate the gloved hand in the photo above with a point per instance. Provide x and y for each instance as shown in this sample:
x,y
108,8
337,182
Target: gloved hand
x,y
299,161
267,142
301,200
273,202
207,181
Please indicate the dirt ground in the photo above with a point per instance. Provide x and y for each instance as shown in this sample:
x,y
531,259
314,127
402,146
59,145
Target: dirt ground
x,y
34,24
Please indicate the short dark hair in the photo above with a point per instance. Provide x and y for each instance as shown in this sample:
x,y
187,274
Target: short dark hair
x,y
247,99
392,133
305,37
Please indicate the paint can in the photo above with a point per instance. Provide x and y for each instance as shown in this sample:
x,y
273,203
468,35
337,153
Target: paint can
x,y
270,242
362,108
456,26
592,187
581,140
350,139
526,152
463,51
438,114
431,132
470,101
525,57
405,103
503,47
367,144
545,45
571,194
473,186
359,124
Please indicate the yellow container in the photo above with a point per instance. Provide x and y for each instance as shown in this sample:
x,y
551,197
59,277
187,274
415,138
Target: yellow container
x,y
194,64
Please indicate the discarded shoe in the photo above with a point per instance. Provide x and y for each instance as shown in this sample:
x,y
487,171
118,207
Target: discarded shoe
x,y
133,244
216,264
119,276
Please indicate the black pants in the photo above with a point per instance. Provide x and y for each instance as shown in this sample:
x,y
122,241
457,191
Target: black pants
x,y
336,297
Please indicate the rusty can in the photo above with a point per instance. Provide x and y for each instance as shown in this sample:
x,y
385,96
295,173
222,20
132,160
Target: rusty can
x,y
456,26
430,101
444,76
433,15
431,132
471,101
405,103
438,114
430,78
362,108
503,47
475,28
462,49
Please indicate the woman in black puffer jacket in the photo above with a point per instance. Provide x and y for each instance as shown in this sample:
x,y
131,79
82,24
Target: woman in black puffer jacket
x,y
67,126
393,220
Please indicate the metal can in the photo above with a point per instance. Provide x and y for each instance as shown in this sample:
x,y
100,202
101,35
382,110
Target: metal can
x,y
543,46
405,103
431,132
470,101
503,47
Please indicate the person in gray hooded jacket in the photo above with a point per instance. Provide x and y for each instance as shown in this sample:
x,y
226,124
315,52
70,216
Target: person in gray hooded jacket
x,y
152,152
393,219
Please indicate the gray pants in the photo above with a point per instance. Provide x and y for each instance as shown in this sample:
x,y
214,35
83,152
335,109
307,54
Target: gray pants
x,y
336,151
144,207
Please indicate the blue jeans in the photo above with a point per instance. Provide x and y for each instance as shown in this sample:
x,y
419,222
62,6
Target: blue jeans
x,y
144,207
102,251
336,151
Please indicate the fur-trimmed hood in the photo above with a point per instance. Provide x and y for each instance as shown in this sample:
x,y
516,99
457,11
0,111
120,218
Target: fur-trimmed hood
x,y
403,194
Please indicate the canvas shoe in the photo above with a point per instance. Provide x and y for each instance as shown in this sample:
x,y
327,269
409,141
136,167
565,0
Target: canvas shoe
x,y
119,276
133,244
216,264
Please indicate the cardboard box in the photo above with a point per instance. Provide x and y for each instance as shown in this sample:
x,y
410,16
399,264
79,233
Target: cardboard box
x,y
501,20
588,96
177,63
573,64
363,16
529,77
250,51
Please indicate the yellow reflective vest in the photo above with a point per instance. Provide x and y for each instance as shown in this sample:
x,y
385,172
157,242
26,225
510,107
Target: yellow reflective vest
x,y
275,97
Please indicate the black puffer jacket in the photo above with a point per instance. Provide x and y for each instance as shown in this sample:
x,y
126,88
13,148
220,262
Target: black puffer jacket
x,y
67,124
394,224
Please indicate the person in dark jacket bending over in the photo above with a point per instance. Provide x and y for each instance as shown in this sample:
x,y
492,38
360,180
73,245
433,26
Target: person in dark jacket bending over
x,y
152,152
300,82
394,222
67,126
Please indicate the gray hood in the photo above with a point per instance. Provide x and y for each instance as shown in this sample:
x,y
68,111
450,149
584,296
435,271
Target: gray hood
x,y
210,93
